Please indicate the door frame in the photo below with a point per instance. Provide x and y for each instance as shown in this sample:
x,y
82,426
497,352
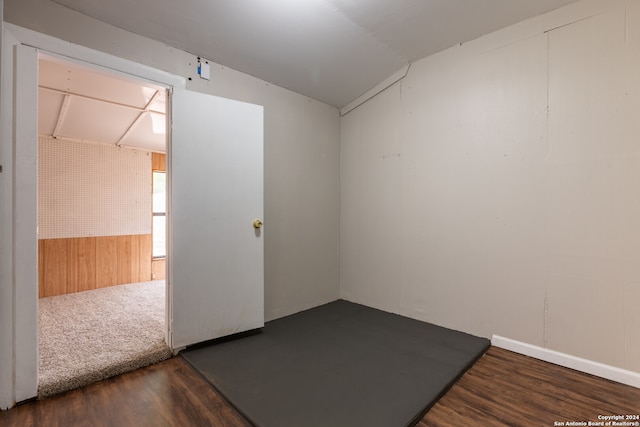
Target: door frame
x,y
25,332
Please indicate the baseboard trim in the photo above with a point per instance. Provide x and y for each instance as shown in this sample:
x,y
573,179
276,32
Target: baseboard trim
x,y
583,365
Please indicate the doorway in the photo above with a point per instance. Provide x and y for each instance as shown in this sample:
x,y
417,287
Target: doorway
x,y
215,191
101,230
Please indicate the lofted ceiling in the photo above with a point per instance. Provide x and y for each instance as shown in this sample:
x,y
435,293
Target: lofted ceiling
x,y
330,50
79,103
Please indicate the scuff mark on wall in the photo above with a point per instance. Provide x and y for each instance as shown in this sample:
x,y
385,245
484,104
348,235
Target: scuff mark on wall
x,y
626,24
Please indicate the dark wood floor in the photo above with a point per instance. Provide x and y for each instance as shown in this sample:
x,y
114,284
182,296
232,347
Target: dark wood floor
x,y
170,393
501,389
508,389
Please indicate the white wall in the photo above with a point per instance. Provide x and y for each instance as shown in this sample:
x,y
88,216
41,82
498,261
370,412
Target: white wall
x,y
301,152
496,189
89,189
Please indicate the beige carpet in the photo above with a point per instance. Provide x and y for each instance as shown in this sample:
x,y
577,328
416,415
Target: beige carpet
x,y
88,336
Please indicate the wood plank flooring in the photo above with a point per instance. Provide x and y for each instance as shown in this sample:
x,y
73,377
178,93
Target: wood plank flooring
x,y
501,389
508,389
170,393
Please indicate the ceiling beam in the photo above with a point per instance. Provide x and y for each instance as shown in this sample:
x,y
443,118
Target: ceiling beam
x,y
132,107
61,115
138,119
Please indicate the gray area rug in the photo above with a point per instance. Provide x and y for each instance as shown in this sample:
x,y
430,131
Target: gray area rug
x,y
338,365
89,336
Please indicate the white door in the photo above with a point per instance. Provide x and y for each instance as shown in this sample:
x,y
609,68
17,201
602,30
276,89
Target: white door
x,y
216,256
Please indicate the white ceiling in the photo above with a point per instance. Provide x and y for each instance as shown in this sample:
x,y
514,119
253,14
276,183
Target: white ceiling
x,y
79,103
330,50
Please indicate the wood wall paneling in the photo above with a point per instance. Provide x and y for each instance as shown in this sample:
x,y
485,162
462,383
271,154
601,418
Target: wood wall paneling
x,y
135,258
124,259
146,249
55,267
158,162
159,269
81,264
86,263
40,268
106,261
72,266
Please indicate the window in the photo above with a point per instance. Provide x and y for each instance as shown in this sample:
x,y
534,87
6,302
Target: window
x,y
159,214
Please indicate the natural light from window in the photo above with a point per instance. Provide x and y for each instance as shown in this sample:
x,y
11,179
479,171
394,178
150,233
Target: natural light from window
x,y
159,214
